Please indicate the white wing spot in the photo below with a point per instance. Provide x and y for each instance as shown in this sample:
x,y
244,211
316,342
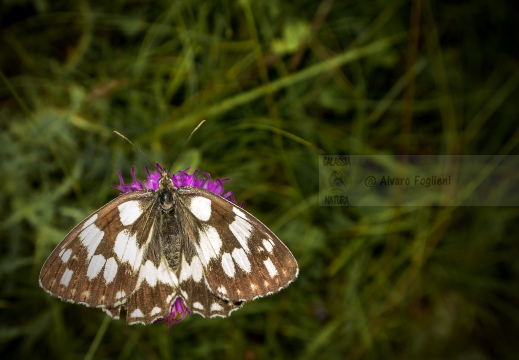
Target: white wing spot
x,y
241,259
196,269
268,246
169,298
270,267
185,273
198,306
193,270
65,256
222,290
228,264
150,273
91,236
239,212
90,221
137,313
96,265
201,208
252,286
129,212
241,229
86,294
67,275
127,250
110,270
155,310
216,307
210,243
120,294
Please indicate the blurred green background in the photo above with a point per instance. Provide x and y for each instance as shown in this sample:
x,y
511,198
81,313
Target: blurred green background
x,y
279,83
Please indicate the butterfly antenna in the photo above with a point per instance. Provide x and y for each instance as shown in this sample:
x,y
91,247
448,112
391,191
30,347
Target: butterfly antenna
x,y
184,146
136,148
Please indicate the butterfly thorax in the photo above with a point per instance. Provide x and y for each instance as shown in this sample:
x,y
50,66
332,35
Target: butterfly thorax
x,y
166,193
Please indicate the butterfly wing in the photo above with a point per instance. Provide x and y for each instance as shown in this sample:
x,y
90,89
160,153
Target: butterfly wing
x,y
239,257
100,263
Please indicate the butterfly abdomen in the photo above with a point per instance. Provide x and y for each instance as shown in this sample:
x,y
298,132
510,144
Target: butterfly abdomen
x,y
170,234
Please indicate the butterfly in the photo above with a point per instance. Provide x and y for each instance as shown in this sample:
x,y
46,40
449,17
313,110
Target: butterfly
x,y
152,250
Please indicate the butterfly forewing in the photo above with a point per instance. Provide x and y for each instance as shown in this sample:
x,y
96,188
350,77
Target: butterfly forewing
x,y
240,257
98,262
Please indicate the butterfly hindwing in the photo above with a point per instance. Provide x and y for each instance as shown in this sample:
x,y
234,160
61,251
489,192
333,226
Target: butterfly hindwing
x,y
201,300
114,313
240,257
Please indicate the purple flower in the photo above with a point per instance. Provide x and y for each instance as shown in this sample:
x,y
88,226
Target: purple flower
x,y
176,309
181,178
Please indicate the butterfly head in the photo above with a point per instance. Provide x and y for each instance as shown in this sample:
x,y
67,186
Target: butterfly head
x,y
166,192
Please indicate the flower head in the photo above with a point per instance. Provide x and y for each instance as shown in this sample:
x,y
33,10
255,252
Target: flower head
x,y
181,178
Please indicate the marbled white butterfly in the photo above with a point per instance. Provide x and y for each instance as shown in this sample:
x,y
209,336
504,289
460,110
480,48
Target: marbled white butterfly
x,y
167,250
